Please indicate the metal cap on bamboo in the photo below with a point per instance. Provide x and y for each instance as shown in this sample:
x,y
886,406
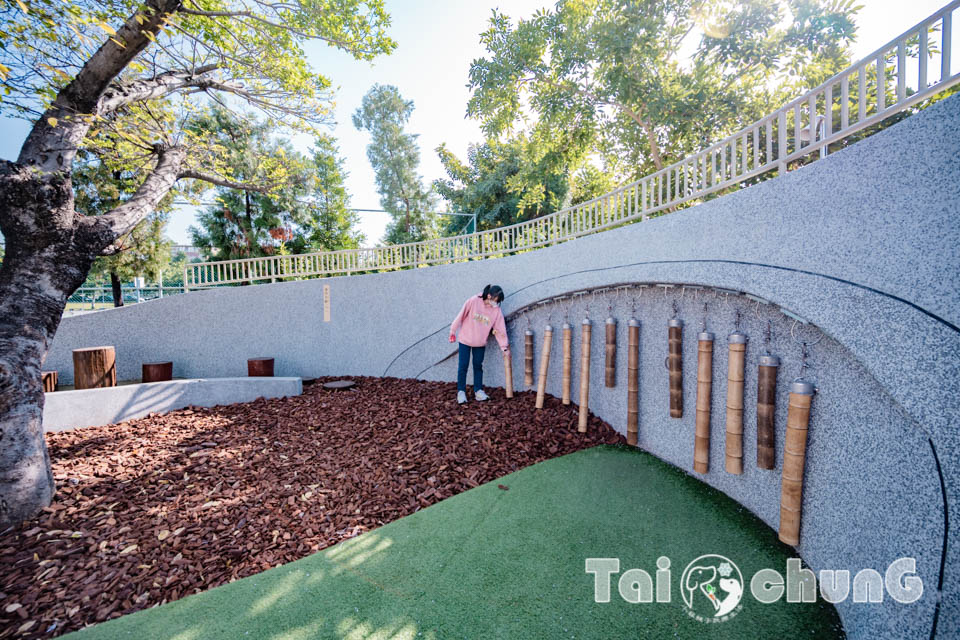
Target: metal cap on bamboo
x,y
802,387
705,335
567,325
633,322
528,332
737,338
548,328
675,322
611,320
586,321
769,361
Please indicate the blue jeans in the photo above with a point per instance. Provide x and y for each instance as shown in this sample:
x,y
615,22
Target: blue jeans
x,y
477,367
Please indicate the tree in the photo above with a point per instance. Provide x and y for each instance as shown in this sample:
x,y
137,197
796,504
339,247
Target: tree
x,y
124,77
246,224
308,212
145,250
395,156
332,224
604,75
502,184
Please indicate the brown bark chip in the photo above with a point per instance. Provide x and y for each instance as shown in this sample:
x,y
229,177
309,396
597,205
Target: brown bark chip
x,y
140,504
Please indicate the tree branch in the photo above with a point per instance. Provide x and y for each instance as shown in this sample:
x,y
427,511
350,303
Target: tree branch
x,y
56,135
221,181
119,95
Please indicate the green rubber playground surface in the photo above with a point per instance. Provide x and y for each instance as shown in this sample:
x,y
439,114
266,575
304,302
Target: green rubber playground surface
x,y
495,563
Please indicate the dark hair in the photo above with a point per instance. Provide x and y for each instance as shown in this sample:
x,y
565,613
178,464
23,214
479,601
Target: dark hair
x,y
494,292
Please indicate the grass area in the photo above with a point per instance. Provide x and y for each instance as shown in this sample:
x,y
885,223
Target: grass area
x,y
495,563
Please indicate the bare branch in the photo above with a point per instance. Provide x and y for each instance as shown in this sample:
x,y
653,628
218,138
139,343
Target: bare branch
x,y
221,181
119,95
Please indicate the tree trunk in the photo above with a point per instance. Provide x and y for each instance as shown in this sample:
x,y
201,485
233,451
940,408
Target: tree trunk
x,y
117,289
43,266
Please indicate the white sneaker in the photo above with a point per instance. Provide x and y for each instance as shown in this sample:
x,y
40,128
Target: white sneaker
x,y
481,395
461,397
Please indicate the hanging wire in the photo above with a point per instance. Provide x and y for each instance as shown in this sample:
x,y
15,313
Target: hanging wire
x,y
736,320
703,322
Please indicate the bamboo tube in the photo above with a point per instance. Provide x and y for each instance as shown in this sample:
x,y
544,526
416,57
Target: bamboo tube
x,y
610,364
508,374
675,366
544,365
528,358
735,368
701,442
567,361
794,457
584,375
766,409
633,379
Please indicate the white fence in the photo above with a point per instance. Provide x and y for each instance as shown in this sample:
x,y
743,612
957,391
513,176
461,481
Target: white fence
x,y
910,68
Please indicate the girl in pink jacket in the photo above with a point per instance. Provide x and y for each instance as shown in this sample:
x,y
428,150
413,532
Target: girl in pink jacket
x,y
479,316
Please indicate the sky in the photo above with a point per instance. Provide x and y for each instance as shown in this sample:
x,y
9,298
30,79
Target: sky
x,y
437,40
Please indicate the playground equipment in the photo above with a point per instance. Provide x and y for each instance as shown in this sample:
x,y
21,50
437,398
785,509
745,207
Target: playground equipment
x,y
584,374
736,361
544,365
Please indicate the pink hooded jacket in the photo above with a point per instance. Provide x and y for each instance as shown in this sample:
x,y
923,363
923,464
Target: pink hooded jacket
x,y
476,320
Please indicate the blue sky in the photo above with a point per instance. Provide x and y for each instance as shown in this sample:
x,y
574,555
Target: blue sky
x,y
436,42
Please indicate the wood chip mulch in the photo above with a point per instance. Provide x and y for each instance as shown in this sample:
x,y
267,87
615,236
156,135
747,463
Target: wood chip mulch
x,y
151,510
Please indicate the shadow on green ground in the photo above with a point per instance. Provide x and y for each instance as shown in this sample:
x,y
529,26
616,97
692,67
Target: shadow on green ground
x,y
494,563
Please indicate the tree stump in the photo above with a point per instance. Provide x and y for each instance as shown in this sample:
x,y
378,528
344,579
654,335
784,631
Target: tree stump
x,y
49,380
260,367
94,367
157,372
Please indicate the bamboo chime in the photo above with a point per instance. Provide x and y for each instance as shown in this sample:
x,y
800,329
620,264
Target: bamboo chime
x,y
701,444
735,373
567,361
766,409
794,458
633,378
528,358
584,374
610,363
544,365
508,374
675,365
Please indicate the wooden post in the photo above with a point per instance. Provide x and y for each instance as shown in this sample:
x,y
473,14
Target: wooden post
x,y
156,371
794,458
508,374
567,361
260,367
94,367
528,358
633,380
701,442
585,330
49,379
735,369
766,410
544,365
610,364
675,366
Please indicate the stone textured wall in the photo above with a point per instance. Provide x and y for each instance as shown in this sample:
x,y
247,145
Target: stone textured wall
x,y
864,245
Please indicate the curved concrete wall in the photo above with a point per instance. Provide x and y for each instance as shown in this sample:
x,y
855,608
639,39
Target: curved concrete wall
x,y
864,244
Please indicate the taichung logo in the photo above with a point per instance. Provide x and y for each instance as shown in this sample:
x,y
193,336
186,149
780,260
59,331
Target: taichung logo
x,y
712,587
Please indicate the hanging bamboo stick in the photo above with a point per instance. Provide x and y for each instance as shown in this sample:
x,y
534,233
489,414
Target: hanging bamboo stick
x,y
675,366
567,361
528,358
735,374
584,374
610,364
544,365
508,374
794,458
701,443
633,379
766,410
